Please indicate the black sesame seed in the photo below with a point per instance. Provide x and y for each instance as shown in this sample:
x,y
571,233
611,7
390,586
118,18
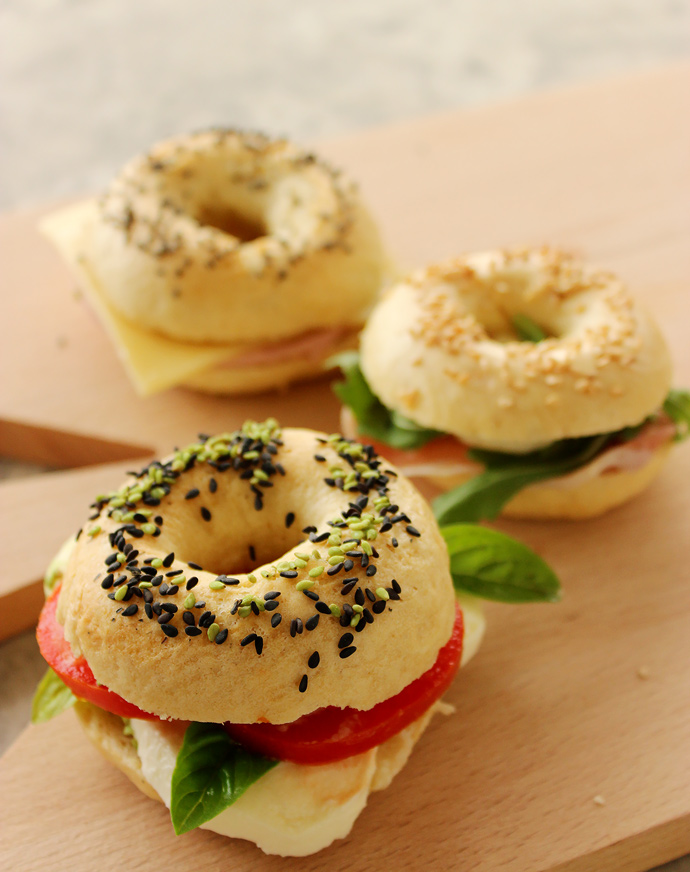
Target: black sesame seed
x,y
107,581
310,529
319,458
385,527
295,627
194,566
254,607
345,640
259,645
276,619
111,558
289,573
148,596
188,618
193,631
413,531
148,610
194,492
359,596
313,622
394,542
396,587
323,608
347,587
348,611
314,660
168,561
367,615
258,504
303,684
169,607
320,538
191,582
173,573
168,630
157,580
172,590
371,596
206,619
213,487
360,626
221,637
347,652
130,610
311,595
348,565
371,570
271,605
165,617
334,570
272,594
157,608
248,639
205,514
158,520
235,607
280,468
201,605
392,594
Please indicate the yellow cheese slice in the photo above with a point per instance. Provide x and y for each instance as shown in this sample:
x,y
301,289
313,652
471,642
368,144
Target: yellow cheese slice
x,y
153,362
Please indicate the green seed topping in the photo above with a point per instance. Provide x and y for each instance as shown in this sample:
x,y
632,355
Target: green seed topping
x,y
305,584
335,610
213,631
315,572
94,531
150,529
382,593
189,601
121,593
244,611
156,563
355,620
145,584
216,585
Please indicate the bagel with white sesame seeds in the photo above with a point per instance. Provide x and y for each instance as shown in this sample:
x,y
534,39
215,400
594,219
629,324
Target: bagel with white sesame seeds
x,y
323,571
227,261
520,381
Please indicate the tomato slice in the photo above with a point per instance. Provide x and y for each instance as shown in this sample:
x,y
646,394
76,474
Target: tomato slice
x,y
75,671
331,734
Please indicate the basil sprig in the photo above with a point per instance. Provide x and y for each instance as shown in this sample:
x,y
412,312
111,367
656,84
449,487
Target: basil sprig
x,y
494,566
211,773
677,407
52,697
373,418
505,475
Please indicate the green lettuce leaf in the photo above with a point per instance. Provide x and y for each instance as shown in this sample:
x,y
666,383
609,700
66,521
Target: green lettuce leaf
x,y
527,329
211,773
677,407
52,697
505,475
373,418
494,566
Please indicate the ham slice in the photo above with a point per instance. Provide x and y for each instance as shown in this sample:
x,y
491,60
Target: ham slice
x,y
313,345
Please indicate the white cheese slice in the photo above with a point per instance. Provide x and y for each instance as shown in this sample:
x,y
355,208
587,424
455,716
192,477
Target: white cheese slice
x,y
153,361
296,810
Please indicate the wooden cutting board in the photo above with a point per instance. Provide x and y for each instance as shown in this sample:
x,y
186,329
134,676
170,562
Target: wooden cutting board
x,y
555,711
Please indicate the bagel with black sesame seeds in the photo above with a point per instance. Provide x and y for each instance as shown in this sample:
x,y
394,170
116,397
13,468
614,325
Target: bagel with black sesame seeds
x,y
521,381
253,590
221,252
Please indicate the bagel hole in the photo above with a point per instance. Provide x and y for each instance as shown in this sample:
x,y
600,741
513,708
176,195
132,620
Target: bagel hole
x,y
244,554
233,223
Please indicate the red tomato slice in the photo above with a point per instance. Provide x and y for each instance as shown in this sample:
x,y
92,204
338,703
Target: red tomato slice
x,y
331,734
76,672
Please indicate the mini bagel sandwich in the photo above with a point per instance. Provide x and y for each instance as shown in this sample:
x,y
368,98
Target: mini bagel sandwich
x,y
226,261
519,381
270,610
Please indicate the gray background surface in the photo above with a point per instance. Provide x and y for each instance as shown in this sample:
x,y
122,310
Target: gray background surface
x,y
85,85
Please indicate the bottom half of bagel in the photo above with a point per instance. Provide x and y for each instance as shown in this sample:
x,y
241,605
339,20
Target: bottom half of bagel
x,y
587,493
294,809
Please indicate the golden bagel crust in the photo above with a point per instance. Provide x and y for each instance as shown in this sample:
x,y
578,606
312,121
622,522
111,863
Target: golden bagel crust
x,y
224,236
192,678
586,499
440,349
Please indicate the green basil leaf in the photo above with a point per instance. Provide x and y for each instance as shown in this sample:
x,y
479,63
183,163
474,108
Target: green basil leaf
x,y
52,697
494,566
483,496
677,407
211,773
57,566
527,329
373,418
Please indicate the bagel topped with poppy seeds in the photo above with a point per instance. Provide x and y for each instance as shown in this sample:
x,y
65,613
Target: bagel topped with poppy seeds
x,y
286,589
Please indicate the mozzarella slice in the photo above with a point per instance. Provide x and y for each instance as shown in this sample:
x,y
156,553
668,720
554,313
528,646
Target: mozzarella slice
x,y
295,810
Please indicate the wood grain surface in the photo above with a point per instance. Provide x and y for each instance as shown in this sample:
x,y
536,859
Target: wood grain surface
x,y
556,710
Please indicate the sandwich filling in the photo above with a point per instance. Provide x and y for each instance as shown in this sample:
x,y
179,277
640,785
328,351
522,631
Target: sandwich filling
x,y
496,477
